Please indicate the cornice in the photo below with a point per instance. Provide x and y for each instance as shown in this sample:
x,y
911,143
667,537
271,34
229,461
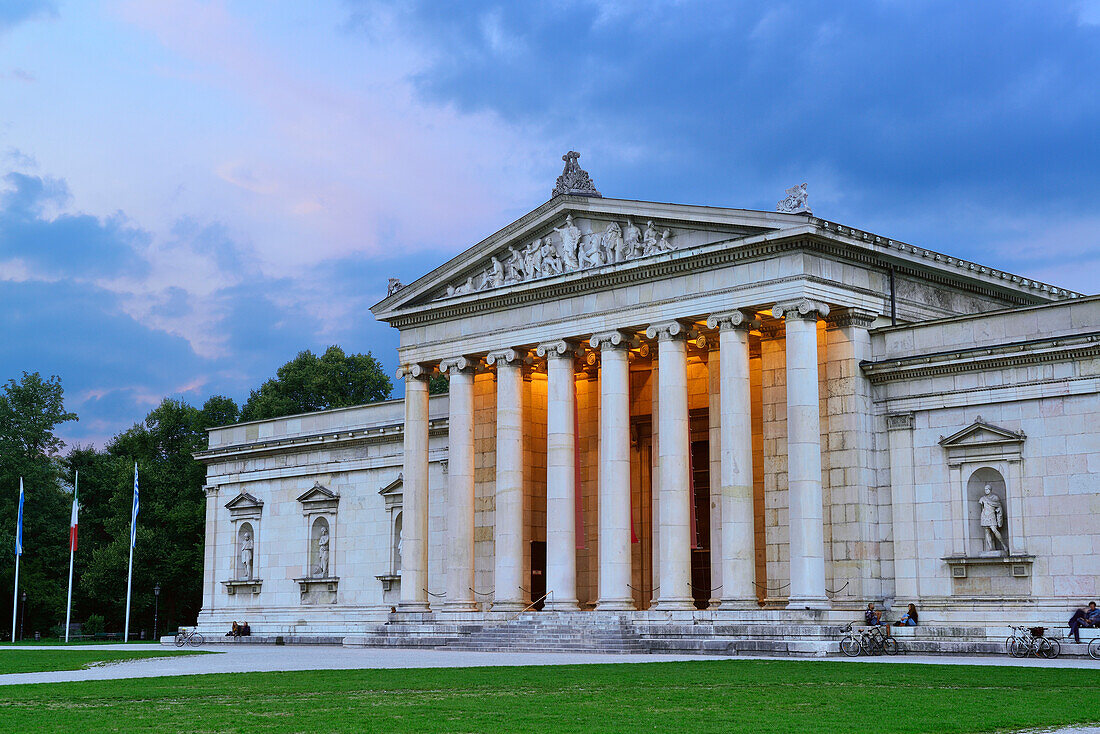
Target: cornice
x,y
330,439
1035,351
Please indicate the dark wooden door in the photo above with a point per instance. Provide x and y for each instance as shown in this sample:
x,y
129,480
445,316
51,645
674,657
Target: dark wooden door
x,y
538,572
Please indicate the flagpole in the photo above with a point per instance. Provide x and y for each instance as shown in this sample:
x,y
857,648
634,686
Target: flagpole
x,y
130,569
72,552
18,554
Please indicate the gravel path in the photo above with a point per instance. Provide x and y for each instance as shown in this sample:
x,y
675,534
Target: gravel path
x,y
256,658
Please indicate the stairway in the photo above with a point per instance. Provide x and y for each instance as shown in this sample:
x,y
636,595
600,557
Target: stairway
x,y
534,633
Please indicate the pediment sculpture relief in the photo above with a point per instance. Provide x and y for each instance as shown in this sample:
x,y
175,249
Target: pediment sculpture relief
x,y
565,250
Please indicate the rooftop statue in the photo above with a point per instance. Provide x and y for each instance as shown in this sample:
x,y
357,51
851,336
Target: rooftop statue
x,y
574,179
797,201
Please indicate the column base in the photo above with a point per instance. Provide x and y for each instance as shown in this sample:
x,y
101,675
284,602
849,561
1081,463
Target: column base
x,y
562,605
452,607
739,604
508,606
677,604
625,604
809,602
413,607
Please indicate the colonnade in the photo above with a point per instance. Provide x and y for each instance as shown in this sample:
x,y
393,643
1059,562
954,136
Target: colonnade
x,y
737,562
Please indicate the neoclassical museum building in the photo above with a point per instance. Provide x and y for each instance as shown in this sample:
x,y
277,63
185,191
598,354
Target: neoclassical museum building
x,y
700,411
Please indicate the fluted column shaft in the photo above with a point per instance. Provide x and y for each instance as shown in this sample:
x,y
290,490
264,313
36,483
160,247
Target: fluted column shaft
x,y
738,562
561,474
460,487
675,487
807,544
614,474
414,512
508,594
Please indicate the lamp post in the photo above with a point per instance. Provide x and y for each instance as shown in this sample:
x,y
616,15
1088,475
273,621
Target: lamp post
x,y
156,609
22,615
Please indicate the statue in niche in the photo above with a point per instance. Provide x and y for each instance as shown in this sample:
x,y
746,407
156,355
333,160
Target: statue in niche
x,y
570,243
494,276
514,268
532,259
551,262
321,571
632,239
991,520
246,556
614,246
649,240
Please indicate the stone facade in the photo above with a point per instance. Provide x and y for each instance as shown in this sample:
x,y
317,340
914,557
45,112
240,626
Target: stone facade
x,y
774,411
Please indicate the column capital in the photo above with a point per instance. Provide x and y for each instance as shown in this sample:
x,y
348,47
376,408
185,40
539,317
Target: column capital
x,y
505,356
667,331
211,490
610,340
802,308
454,365
413,371
559,348
730,320
857,317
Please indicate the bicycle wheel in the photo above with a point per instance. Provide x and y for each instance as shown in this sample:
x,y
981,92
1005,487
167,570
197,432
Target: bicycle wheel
x,y
1020,649
872,645
890,646
180,640
849,645
196,639
1010,645
1050,648
1094,649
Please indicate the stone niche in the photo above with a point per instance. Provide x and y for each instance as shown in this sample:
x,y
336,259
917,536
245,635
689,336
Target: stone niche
x,y
978,456
245,512
393,495
320,583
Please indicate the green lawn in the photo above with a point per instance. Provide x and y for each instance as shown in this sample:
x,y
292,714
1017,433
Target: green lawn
x,y
37,661
704,696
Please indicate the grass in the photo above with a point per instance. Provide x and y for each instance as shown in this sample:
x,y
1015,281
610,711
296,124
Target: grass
x,y
39,661
703,696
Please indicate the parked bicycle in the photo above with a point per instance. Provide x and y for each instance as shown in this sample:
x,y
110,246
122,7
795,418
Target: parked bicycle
x,y
192,638
869,641
1026,641
1094,648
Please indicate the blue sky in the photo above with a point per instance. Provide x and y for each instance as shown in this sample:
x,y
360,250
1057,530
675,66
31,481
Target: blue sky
x,y
191,192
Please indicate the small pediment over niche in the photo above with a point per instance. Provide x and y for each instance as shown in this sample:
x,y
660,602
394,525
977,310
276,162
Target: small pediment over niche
x,y
393,493
319,497
981,439
244,505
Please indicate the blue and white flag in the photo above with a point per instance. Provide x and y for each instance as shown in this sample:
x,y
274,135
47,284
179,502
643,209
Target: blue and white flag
x,y
134,511
19,522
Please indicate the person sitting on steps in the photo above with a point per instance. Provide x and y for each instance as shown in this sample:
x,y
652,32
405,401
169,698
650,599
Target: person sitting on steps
x,y
246,630
873,618
909,619
235,631
1084,618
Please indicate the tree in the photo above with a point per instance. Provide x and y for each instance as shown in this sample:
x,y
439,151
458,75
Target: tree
x,y
309,382
30,411
438,384
169,547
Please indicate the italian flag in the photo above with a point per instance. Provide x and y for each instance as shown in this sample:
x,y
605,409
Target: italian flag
x,y
72,524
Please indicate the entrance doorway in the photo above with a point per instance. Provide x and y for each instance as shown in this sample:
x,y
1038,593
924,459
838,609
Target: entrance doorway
x,y
538,573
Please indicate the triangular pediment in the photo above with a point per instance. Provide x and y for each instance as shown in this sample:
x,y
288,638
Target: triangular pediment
x,y
980,433
244,502
394,488
570,237
318,493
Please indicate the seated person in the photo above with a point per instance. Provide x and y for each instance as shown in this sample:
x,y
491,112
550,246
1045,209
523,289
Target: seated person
x,y
872,617
1084,618
245,630
235,631
909,619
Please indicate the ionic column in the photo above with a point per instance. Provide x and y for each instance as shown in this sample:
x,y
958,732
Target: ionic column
x,y
414,518
508,524
460,486
807,543
675,488
614,475
561,474
738,561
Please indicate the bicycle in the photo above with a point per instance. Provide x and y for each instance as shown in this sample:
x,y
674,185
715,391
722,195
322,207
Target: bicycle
x,y
1094,648
873,641
849,642
193,638
1026,641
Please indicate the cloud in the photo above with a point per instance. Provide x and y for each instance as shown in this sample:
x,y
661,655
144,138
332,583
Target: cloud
x,y
14,12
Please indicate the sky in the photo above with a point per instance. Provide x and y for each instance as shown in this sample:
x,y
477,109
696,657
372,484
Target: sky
x,y
193,191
